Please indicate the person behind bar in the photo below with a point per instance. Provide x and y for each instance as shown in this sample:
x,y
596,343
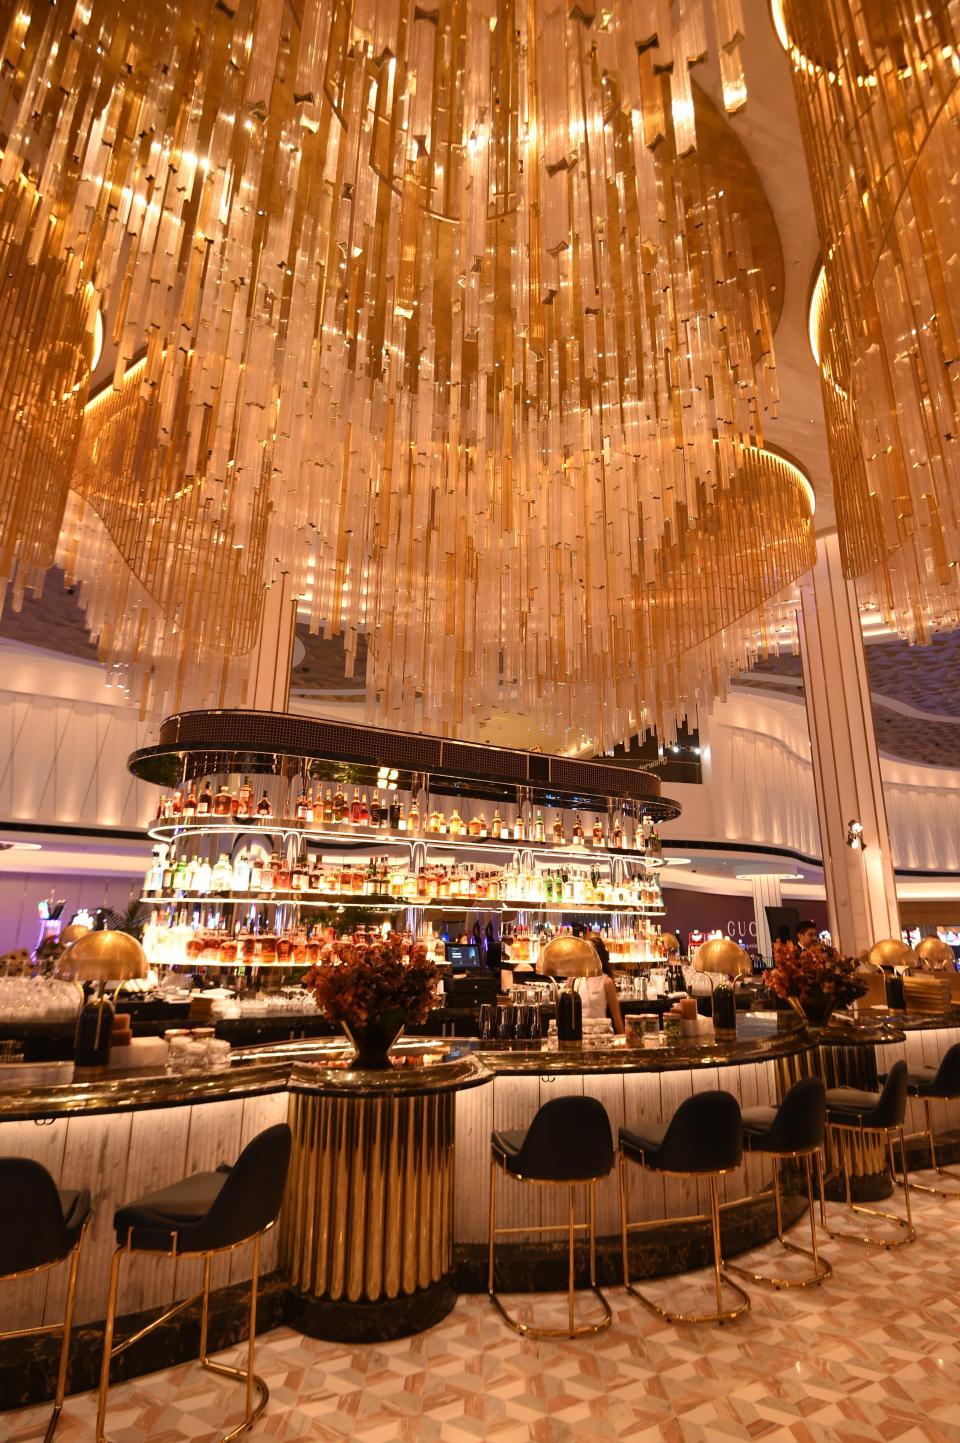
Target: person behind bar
x,y
808,934
598,995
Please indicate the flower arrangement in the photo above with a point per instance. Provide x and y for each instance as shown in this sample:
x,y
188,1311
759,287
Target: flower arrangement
x,y
814,980
373,987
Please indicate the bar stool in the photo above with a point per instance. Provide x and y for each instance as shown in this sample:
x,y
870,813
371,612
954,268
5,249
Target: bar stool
x,y
200,1217
704,1138
568,1144
794,1130
850,1111
41,1225
943,1083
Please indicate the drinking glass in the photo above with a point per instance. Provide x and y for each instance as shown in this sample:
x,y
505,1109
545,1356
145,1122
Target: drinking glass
x,y
485,1028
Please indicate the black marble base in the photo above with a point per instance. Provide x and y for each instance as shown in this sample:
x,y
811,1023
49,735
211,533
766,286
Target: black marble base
x,y
534,1266
346,1322
28,1366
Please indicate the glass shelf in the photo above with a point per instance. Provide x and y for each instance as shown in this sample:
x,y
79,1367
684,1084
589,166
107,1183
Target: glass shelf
x,y
396,904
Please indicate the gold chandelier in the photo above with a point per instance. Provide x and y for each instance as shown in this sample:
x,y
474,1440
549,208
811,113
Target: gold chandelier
x,y
876,87
442,316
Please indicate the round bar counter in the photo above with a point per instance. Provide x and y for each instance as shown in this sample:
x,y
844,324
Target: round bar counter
x,y
385,1217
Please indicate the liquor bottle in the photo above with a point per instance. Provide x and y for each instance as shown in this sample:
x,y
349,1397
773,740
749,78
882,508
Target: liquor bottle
x,y
176,804
519,828
327,807
597,832
376,810
538,832
234,806
394,812
401,819
256,873
163,809
483,824
264,807
241,875
245,798
339,805
167,873
221,875
364,811
433,826
456,824
496,826
221,802
656,846
617,834
203,877
311,808
558,836
473,826
302,804
355,808
190,805
205,801
578,832
298,876
413,817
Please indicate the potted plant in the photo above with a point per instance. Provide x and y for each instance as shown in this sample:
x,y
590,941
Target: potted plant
x,y
814,980
374,987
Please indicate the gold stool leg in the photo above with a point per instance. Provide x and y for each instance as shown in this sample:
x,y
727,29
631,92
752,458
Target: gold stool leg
x,y
571,1257
821,1268
64,1344
624,1240
108,1327
906,1223
949,1193
492,1225
225,1370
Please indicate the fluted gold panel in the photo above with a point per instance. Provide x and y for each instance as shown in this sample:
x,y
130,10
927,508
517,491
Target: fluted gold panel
x,y
877,91
368,1210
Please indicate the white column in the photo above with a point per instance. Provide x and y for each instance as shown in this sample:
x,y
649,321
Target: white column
x,y
861,891
766,893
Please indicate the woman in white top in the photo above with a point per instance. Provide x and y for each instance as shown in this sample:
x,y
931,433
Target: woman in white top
x,y
598,995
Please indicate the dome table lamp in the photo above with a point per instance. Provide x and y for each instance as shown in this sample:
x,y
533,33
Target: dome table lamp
x,y
723,956
892,954
936,954
568,957
100,957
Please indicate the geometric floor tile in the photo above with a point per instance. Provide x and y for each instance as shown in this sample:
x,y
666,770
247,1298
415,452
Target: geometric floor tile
x,y
872,1356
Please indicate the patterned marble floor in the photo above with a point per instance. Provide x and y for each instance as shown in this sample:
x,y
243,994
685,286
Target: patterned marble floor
x,y
871,1357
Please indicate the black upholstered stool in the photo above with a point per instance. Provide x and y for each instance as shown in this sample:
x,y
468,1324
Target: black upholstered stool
x,y
568,1144
941,1083
199,1217
852,1113
792,1131
41,1225
704,1138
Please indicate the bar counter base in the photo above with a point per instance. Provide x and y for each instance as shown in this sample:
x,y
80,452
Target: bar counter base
x,y
341,1321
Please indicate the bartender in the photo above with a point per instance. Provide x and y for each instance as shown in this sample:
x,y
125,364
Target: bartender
x,y
598,995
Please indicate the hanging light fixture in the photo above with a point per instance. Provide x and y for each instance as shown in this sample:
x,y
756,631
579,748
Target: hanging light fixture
x,y
877,94
442,301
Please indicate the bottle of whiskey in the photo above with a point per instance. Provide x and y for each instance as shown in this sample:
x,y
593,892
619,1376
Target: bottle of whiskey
x,y
496,826
538,832
394,814
617,834
221,802
558,835
376,809
302,804
339,804
597,832
205,801
245,798
163,809
401,819
241,875
413,817
456,825
190,804
578,832
364,811
176,804
311,807
264,806
355,808
327,807
473,826
519,827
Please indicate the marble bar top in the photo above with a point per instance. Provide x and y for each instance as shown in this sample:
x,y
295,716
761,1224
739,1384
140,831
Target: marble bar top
x,y
422,1066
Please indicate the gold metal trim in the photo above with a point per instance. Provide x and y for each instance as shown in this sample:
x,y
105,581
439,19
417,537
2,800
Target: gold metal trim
x,y
721,1314
571,1227
952,1194
822,1269
847,1132
66,1325
246,1376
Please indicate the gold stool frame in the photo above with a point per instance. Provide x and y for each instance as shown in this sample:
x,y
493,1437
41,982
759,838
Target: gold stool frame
x,y
66,1325
721,1314
928,1133
822,1269
887,1133
240,1375
571,1227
